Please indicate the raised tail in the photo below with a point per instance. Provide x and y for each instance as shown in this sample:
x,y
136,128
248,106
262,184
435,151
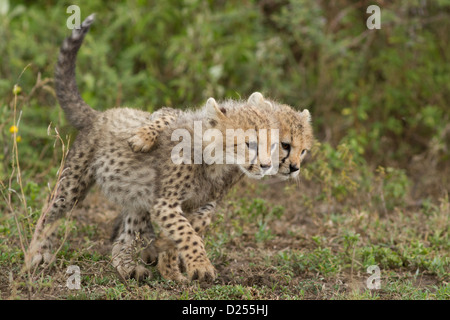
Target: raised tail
x,y
77,111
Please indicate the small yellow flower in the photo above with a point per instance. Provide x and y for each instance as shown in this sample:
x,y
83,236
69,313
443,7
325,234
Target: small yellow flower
x,y
346,111
17,89
18,138
13,129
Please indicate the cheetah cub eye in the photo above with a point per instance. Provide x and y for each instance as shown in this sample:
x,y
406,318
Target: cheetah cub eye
x,y
286,146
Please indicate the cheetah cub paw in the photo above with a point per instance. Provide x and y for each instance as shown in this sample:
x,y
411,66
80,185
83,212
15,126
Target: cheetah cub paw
x,y
143,139
201,270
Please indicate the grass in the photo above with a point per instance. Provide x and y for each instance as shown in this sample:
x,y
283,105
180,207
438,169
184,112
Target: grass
x,y
285,267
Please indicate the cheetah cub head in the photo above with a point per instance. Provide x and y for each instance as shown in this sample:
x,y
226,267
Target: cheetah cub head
x,y
248,134
295,136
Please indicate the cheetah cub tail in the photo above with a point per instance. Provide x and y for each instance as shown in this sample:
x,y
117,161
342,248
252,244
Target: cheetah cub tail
x,y
76,109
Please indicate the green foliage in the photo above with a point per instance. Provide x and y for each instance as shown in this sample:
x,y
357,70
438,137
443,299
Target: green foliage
x,y
258,212
319,261
381,256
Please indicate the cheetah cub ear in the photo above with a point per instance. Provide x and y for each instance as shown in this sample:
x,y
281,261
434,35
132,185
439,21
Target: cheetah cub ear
x,y
257,99
213,111
305,113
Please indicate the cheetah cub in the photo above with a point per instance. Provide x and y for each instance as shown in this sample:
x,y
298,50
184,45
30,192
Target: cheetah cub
x,y
150,187
295,140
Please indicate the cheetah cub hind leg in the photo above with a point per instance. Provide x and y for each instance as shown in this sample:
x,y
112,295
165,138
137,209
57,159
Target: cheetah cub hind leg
x,y
133,238
146,136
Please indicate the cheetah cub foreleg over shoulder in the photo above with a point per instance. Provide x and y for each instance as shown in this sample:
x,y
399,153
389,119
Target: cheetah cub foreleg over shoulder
x,y
145,137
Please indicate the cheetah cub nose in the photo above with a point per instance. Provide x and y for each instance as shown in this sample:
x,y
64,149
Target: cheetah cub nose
x,y
266,166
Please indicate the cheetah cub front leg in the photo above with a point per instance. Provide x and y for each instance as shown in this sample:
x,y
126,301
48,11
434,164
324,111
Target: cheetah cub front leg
x,y
188,243
168,259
